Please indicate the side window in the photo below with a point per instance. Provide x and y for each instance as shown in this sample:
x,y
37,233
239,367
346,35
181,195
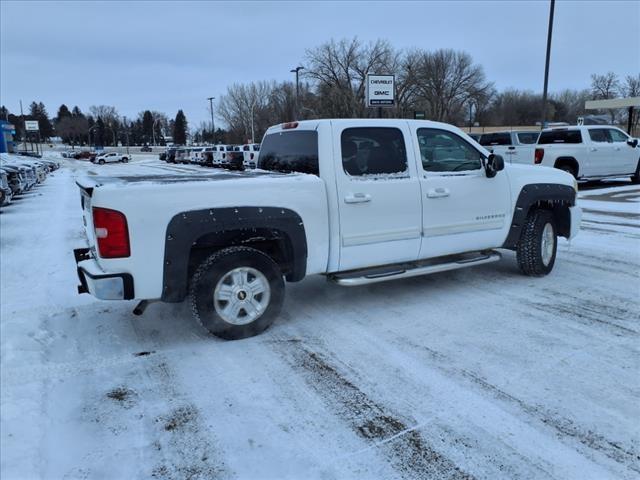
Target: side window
x,y
617,135
444,151
528,138
373,151
599,135
492,139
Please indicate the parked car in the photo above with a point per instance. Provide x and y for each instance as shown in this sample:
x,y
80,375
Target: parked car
x,y
590,152
85,155
171,155
110,157
220,156
515,146
194,154
146,148
6,193
234,159
206,156
182,155
16,179
356,200
250,152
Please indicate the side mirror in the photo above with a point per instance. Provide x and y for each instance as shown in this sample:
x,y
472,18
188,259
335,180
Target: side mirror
x,y
632,142
494,164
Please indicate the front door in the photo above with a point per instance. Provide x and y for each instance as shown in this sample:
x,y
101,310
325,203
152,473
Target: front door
x,y
463,209
378,196
625,157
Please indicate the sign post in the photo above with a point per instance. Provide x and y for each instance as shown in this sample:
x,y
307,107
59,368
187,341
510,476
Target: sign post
x,y
33,126
380,92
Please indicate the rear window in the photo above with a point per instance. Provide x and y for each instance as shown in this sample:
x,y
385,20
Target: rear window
x,y
295,151
560,136
528,138
488,139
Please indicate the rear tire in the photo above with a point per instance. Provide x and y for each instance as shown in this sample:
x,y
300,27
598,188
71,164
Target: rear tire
x,y
237,293
538,244
125,160
569,169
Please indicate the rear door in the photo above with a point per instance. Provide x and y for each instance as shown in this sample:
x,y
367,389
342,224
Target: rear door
x,y
525,147
378,195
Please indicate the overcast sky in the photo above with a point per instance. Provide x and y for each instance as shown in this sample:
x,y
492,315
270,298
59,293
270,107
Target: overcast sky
x,y
169,55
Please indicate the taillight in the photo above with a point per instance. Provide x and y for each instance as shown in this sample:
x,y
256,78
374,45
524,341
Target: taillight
x,y
539,155
287,126
224,155
112,233
251,156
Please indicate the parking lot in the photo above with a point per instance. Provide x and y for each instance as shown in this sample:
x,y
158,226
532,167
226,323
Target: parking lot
x,y
476,373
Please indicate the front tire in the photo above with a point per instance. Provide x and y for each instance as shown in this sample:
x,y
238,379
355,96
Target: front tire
x,y
101,162
536,250
237,293
635,178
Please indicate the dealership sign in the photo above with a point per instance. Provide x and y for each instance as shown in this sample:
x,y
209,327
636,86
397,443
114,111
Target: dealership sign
x,y
380,91
31,126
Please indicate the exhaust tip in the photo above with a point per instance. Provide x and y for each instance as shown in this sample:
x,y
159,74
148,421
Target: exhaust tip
x,y
141,307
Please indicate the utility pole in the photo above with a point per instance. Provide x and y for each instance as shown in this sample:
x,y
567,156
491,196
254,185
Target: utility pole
x,y
297,72
546,65
24,127
213,125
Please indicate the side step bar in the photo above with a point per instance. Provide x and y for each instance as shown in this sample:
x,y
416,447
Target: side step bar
x,y
375,275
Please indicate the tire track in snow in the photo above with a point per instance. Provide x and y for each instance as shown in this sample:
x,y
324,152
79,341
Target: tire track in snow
x,y
622,454
396,438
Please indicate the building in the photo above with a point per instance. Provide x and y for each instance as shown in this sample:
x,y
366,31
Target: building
x,y
7,131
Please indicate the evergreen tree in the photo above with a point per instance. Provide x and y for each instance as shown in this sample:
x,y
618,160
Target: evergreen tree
x,y
4,113
147,126
37,111
180,129
63,112
76,112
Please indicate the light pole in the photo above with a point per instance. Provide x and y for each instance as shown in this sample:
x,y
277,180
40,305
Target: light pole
x,y
126,132
252,131
153,131
213,125
297,72
546,65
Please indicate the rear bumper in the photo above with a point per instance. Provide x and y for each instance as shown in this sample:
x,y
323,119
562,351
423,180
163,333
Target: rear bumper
x,y
576,218
105,286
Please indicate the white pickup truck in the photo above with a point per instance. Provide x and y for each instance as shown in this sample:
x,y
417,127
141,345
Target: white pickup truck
x,y
110,157
589,152
358,200
514,146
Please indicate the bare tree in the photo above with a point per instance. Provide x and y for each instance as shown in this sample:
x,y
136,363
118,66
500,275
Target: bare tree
x,y
109,116
446,80
339,70
604,87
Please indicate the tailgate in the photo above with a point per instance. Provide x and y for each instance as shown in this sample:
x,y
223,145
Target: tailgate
x,y
87,217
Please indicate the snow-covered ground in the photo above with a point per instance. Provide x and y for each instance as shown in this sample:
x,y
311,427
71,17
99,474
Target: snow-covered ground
x,y
478,373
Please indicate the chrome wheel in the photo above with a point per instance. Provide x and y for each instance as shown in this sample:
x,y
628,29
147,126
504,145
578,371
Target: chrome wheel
x,y
242,295
547,244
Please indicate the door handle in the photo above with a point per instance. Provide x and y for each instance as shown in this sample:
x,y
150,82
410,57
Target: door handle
x,y
357,198
439,192
512,148
616,148
593,149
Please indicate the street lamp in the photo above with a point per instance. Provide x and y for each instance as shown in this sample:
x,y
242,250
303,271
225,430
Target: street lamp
x,y
546,64
297,72
213,125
